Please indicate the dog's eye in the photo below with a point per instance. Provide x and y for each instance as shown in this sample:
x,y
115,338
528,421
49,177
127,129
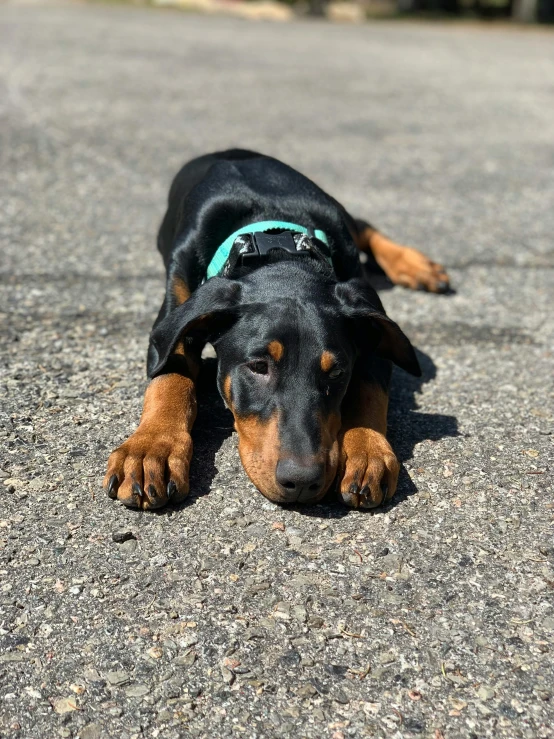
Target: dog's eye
x,y
258,367
335,374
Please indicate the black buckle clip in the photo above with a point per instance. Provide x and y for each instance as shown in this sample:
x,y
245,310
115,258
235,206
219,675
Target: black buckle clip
x,y
263,243
248,248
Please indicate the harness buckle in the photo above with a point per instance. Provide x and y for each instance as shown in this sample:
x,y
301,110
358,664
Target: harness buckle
x,y
265,242
249,248
262,243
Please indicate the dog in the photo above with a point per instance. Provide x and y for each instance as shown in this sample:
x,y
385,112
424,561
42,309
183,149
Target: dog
x,y
265,266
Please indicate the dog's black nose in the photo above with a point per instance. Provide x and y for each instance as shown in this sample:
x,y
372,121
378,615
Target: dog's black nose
x,y
299,481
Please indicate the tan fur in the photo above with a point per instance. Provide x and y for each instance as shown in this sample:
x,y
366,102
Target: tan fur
x,y
403,265
367,459
276,350
162,440
259,452
327,361
227,389
180,289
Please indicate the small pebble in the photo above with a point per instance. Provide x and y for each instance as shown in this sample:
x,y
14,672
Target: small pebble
x,y
485,693
185,660
227,675
117,677
136,691
129,545
120,536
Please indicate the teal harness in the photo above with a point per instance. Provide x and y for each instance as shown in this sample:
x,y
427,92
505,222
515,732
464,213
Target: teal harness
x,y
221,257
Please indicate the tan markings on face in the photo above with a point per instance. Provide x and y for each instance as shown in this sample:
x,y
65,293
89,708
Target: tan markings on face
x,y
259,452
181,291
276,350
327,361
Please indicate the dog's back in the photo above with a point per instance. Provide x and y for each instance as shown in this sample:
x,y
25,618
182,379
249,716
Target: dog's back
x,y
216,194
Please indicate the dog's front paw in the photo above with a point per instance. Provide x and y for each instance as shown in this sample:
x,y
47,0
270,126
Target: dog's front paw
x,y
151,468
369,469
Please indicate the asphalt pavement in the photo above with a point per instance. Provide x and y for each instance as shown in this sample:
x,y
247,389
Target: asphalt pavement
x,y
230,616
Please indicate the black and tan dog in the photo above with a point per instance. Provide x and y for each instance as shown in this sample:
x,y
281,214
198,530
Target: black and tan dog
x,y
265,265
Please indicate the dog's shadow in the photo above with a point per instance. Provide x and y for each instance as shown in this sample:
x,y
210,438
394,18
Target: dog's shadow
x,y
214,424
407,428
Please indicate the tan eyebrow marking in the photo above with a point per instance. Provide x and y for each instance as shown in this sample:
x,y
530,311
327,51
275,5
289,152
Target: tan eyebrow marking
x,y
327,361
276,350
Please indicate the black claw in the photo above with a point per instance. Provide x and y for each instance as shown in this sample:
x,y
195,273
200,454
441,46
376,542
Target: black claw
x,y
385,489
171,489
365,498
137,490
353,489
113,484
152,492
442,286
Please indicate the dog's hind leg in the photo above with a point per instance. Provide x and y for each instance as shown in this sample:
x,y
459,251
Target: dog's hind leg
x,y
403,265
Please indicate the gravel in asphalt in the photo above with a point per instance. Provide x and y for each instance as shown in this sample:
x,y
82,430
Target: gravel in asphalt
x,y
230,616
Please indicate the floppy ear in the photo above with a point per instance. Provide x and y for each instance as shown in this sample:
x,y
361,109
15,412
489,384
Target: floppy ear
x,y
207,311
360,302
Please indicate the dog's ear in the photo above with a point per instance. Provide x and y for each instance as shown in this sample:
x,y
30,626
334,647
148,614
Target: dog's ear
x,y
209,310
360,302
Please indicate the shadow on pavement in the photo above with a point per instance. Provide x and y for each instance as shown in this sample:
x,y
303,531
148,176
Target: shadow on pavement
x,y
408,427
213,425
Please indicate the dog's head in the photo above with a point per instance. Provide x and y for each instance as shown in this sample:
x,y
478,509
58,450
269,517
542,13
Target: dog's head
x,y
287,342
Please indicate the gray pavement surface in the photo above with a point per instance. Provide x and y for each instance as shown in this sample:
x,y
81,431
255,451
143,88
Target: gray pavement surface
x,y
230,616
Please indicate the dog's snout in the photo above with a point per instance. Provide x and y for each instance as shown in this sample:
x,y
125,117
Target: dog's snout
x,y
298,480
